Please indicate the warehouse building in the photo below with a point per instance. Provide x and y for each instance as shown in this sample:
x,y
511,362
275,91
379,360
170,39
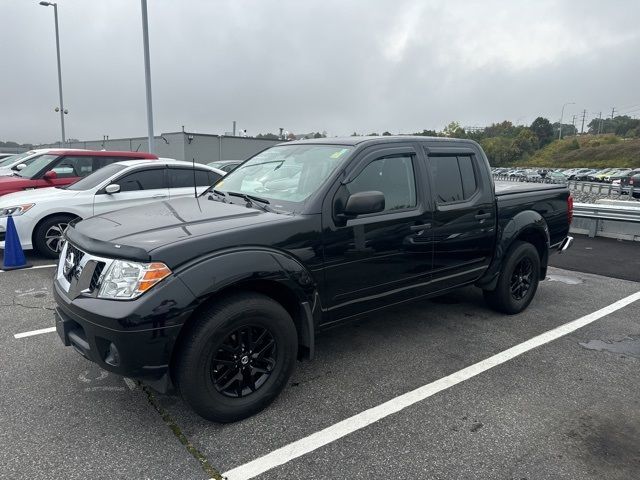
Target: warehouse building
x,y
204,148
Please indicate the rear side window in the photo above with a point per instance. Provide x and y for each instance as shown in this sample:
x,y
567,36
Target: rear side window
x,y
70,167
183,177
142,180
454,178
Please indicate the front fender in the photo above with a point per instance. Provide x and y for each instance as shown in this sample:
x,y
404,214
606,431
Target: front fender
x,y
207,276
524,224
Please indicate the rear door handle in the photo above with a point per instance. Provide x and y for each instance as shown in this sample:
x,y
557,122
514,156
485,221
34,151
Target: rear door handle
x,y
421,227
482,216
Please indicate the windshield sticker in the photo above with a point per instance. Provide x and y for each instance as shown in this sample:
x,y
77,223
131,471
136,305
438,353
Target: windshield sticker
x,y
339,153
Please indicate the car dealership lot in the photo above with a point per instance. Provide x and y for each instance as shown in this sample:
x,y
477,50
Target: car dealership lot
x,y
562,410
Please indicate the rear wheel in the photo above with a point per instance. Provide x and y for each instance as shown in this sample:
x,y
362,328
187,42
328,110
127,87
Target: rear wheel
x,y
47,238
518,280
237,357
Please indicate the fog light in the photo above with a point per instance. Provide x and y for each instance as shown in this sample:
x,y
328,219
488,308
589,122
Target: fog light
x,y
113,356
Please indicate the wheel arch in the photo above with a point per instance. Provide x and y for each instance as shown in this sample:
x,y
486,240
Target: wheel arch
x,y
46,217
528,226
274,274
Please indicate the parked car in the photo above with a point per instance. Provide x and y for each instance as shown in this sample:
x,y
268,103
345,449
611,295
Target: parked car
x,y
531,176
226,165
14,163
624,180
220,294
556,177
632,186
597,175
57,168
616,174
583,175
42,215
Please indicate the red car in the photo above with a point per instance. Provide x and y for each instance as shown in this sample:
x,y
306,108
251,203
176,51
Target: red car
x,y
59,167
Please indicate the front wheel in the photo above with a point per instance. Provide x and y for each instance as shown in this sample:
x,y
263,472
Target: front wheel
x,y
47,238
518,280
237,357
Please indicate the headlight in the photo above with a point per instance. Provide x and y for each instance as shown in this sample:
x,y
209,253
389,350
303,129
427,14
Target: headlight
x,y
16,210
126,280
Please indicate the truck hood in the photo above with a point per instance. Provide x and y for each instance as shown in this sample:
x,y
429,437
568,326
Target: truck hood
x,y
136,231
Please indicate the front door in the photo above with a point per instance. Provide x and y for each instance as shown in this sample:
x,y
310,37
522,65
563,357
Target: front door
x,y
378,259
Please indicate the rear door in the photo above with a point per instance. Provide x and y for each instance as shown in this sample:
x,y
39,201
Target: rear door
x,y
181,181
464,219
136,188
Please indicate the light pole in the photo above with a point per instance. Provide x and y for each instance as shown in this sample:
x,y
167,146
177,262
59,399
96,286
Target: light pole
x,y
62,110
147,72
561,116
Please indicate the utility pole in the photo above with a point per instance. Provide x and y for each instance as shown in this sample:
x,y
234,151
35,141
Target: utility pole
x,y
599,122
613,111
584,115
147,72
573,122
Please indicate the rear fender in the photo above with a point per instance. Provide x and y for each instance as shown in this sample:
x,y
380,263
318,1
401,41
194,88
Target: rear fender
x,y
528,225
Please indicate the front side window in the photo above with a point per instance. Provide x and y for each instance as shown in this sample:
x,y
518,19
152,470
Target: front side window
x,y
289,173
142,180
71,167
454,178
393,176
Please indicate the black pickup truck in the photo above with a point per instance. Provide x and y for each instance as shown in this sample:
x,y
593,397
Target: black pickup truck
x,y
219,295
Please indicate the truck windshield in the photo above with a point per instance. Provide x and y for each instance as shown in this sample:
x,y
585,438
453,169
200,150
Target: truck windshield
x,y
289,173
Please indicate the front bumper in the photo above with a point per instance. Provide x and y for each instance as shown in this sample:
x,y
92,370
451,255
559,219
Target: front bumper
x,y
133,338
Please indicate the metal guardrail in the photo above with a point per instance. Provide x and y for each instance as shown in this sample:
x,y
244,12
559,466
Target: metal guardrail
x,y
598,217
601,188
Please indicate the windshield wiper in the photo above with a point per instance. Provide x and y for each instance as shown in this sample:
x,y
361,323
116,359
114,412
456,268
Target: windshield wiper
x,y
252,199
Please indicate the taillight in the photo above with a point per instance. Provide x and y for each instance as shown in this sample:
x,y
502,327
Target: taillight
x,y
570,208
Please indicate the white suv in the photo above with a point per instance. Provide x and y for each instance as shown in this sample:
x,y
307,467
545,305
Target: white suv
x,y
41,215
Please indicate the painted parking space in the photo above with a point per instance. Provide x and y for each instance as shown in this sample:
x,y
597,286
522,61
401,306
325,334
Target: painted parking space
x,y
359,366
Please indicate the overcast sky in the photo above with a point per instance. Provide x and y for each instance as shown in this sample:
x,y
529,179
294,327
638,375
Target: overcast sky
x,y
339,66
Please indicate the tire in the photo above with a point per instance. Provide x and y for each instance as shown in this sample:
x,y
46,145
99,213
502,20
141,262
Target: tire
x,y
219,333
45,240
522,257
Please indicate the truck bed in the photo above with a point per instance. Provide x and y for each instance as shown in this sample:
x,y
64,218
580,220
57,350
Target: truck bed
x,y
506,188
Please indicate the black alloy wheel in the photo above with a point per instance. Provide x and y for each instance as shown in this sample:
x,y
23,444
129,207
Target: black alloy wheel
x,y
521,279
244,361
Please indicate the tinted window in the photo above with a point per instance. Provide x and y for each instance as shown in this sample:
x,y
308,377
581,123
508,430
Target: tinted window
x,y
71,167
183,177
469,184
393,176
453,177
96,178
142,180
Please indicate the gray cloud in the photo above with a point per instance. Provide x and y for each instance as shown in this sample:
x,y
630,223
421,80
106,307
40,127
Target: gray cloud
x,y
316,65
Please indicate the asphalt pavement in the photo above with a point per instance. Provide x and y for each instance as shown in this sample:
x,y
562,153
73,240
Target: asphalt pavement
x,y
567,409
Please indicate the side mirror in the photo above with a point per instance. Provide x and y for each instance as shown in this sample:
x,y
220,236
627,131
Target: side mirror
x,y
362,203
112,188
50,175
20,166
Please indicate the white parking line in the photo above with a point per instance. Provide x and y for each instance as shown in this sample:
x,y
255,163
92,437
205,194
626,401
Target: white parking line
x,y
30,268
372,415
34,332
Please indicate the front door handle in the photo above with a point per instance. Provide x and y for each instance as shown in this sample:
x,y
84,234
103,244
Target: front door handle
x,y
421,227
483,216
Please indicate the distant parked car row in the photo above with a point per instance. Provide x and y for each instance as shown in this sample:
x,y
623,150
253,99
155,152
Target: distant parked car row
x,y
44,190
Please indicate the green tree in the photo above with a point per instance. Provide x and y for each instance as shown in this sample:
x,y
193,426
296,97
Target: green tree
x,y
525,143
453,130
543,130
386,134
